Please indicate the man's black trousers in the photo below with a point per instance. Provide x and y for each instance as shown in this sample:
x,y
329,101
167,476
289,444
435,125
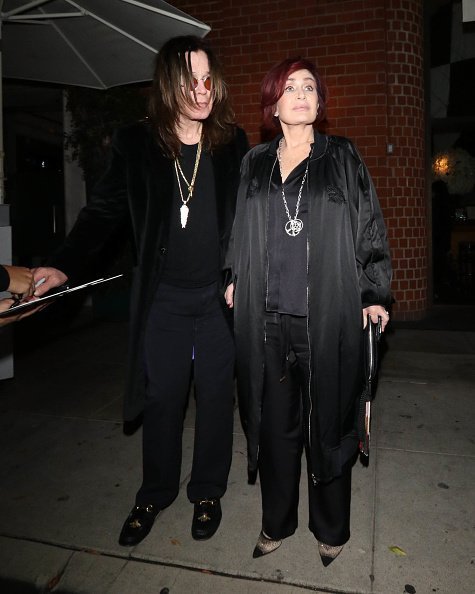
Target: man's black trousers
x,y
187,333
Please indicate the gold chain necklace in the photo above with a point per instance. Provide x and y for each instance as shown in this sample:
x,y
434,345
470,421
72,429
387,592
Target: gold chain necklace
x,y
184,210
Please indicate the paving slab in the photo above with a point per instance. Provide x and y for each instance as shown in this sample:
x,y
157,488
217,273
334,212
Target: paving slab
x,y
422,367
425,506
425,416
88,573
71,482
30,567
431,341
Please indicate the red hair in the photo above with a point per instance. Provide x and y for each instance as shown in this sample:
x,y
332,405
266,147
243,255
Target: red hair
x,y
273,86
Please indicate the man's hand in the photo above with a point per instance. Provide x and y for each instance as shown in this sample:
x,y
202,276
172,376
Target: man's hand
x,y
52,278
229,295
21,280
374,311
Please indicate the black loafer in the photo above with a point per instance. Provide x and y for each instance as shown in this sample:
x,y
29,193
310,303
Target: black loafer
x,y
138,524
206,518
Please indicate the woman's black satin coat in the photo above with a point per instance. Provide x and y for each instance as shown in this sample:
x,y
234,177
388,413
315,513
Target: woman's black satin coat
x,y
348,268
138,186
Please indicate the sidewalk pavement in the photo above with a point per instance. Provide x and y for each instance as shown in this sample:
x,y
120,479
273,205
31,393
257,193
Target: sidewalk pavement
x,y
68,478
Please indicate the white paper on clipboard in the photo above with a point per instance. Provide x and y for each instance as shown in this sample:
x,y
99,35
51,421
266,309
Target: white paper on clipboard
x,y
24,305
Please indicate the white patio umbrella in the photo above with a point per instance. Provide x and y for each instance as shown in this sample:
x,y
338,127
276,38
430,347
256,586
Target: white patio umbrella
x,y
91,43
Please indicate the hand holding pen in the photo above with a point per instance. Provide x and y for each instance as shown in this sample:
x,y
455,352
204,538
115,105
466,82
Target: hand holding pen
x,y
17,298
47,278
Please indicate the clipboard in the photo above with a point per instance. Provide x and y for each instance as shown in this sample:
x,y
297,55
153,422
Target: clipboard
x,y
17,308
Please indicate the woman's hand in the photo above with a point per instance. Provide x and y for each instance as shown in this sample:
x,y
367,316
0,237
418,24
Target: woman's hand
x,y
21,281
5,304
52,278
229,295
374,311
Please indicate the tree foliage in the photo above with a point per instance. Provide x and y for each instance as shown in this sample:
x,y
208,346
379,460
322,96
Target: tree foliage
x,y
95,115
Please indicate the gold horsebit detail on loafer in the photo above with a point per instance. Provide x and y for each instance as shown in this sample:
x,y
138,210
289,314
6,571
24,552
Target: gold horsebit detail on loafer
x,y
205,517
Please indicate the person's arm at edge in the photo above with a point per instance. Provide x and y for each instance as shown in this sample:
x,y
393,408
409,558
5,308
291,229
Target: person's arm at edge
x,y
17,280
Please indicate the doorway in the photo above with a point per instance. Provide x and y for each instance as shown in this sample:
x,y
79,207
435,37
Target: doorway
x,y
452,152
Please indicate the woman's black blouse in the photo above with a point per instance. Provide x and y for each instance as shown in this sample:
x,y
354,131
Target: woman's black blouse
x,y
287,255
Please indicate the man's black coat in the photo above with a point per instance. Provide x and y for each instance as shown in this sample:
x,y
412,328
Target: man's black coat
x,y
138,186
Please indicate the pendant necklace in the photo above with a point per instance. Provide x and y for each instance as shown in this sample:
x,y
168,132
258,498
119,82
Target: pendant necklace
x,y
184,210
294,225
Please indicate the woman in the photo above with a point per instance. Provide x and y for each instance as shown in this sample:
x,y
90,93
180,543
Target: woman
x,y
310,260
175,178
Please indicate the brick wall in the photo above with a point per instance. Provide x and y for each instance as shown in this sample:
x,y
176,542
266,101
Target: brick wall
x,y
370,53
405,201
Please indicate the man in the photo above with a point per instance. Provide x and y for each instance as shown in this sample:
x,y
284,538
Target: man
x,y
175,178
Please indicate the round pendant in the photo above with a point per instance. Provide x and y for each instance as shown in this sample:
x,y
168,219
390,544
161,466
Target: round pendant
x,y
293,227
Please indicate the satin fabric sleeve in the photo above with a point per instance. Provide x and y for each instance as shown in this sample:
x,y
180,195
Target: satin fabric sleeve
x,y
229,261
372,248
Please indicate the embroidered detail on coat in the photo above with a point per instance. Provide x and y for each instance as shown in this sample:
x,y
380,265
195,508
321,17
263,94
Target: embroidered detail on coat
x,y
252,189
335,195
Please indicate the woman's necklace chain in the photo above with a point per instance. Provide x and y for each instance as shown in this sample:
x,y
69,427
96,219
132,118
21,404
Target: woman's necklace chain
x,y
184,210
294,225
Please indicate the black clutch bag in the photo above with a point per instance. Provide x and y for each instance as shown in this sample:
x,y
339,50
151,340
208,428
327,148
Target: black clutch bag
x,y
372,335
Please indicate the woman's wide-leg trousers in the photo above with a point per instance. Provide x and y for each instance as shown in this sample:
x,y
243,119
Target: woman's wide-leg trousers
x,y
285,410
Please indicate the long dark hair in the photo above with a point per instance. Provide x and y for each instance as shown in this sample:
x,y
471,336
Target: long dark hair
x,y
167,99
273,85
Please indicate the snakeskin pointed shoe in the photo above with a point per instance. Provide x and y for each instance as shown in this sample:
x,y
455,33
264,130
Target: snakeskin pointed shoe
x,y
265,545
328,553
